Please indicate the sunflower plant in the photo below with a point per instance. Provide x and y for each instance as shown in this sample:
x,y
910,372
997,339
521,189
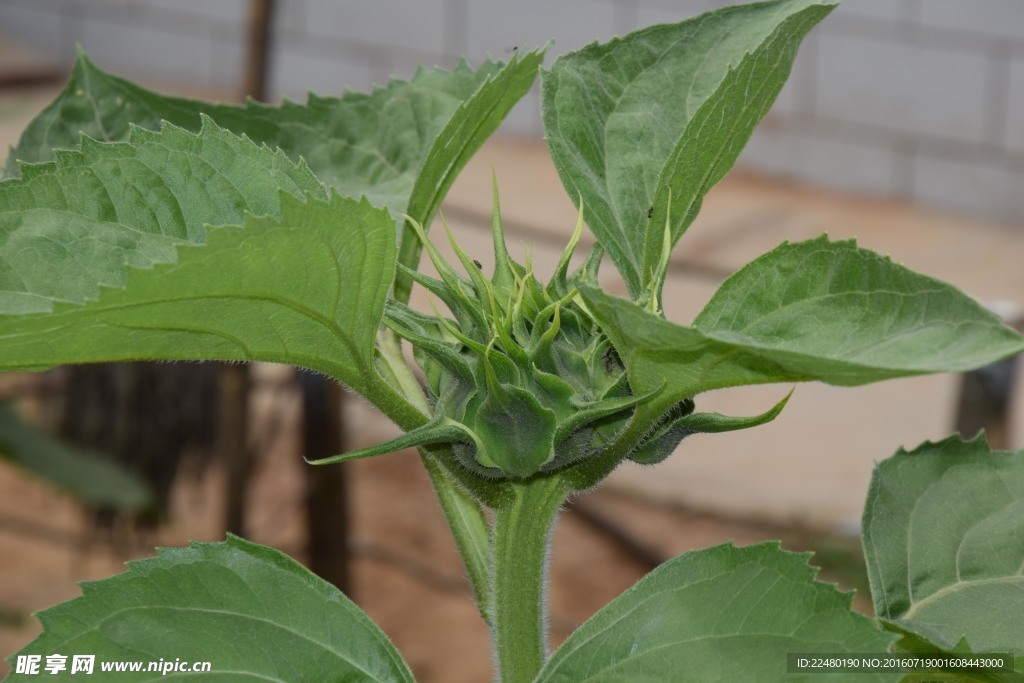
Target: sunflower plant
x,y
139,226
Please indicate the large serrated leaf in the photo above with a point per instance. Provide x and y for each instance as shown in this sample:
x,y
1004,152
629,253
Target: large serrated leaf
x,y
94,213
306,288
665,111
721,614
944,541
401,146
88,477
305,285
814,310
249,610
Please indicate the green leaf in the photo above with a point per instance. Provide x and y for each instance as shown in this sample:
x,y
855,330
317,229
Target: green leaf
x,y
87,476
665,438
306,286
438,430
721,614
251,611
664,112
468,127
401,145
91,215
944,539
814,310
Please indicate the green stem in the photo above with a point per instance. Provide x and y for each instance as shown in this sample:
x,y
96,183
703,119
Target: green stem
x,y
464,515
469,529
393,360
522,530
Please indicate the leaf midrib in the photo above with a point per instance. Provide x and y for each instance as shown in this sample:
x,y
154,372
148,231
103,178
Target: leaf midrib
x,y
659,595
750,345
917,606
612,197
299,308
685,641
710,168
236,615
788,308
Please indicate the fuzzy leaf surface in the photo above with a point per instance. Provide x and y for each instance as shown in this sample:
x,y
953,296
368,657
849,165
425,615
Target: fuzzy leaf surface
x,y
249,610
665,110
88,477
721,614
813,310
467,128
944,542
400,146
291,289
304,284
94,213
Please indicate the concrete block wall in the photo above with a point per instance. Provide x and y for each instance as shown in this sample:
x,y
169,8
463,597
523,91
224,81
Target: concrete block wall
x,y
186,45
911,98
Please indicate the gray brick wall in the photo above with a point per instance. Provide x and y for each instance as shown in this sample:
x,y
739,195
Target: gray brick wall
x,y
908,98
188,45
915,98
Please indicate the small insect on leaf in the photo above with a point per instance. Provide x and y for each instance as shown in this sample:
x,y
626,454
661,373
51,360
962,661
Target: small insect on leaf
x,y
609,360
479,266
650,212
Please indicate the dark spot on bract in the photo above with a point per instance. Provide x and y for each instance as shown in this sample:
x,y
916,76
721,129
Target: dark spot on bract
x,y
609,360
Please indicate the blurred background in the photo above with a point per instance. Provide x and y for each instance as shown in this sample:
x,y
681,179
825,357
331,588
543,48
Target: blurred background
x,y
902,125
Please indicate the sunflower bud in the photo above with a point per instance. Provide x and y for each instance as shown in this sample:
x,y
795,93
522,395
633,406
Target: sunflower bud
x,y
523,380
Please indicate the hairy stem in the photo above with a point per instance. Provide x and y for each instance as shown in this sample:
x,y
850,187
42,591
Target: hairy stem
x,y
469,529
389,346
522,530
464,515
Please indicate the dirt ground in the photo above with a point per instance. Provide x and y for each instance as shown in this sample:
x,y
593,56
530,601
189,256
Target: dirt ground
x,y
405,571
